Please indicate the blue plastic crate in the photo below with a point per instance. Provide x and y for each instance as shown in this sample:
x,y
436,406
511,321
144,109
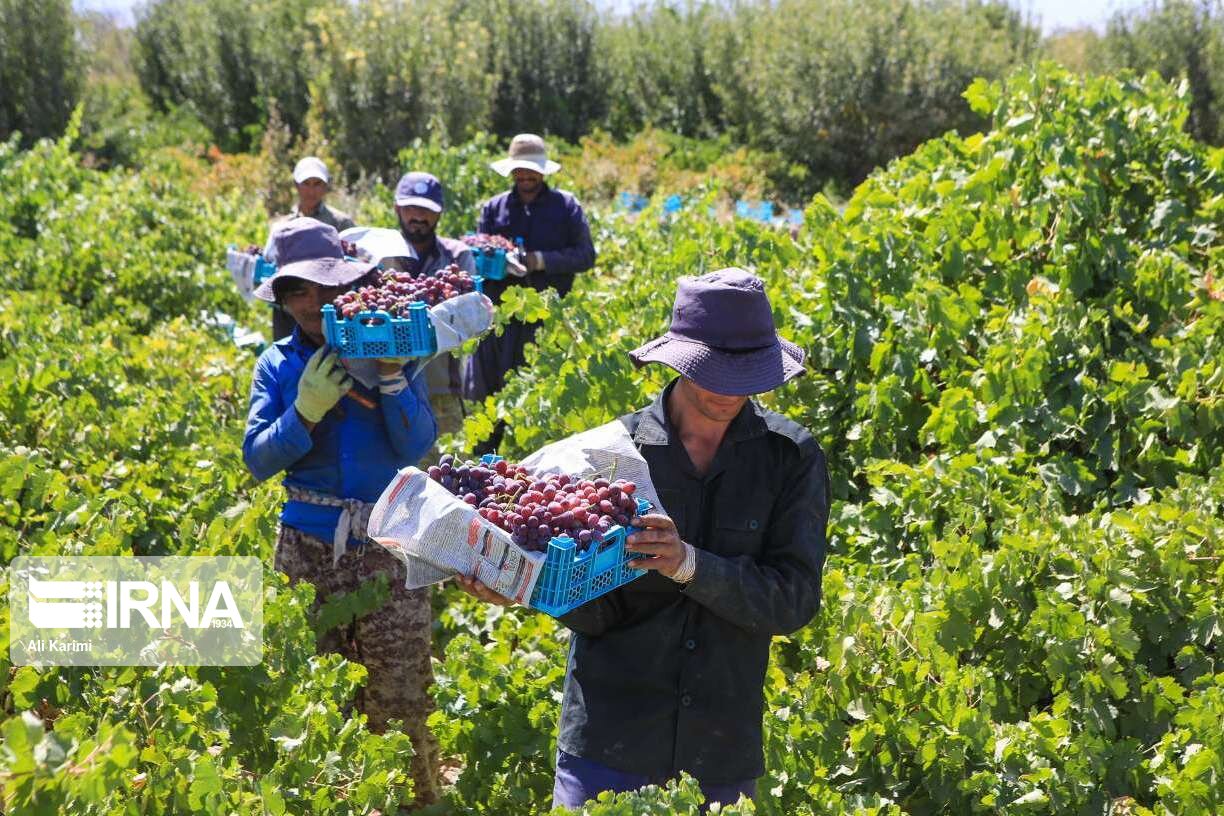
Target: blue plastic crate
x,y
372,334
264,269
490,263
378,334
570,578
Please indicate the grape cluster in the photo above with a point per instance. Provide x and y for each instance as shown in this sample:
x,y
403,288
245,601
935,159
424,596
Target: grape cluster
x,y
534,509
394,292
488,242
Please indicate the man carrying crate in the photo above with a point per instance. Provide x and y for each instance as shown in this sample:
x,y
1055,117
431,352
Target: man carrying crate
x,y
666,673
557,241
339,445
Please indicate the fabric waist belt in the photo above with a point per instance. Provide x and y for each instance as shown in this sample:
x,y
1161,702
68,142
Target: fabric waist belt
x,y
354,516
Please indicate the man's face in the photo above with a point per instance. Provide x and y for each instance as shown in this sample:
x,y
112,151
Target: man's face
x,y
418,223
712,406
304,301
527,182
310,194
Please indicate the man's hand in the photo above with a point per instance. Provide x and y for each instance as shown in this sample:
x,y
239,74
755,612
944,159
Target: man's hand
x,y
535,262
658,538
473,586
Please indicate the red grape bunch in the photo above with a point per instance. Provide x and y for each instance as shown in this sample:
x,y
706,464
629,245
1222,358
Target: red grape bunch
x,y
488,242
533,508
394,292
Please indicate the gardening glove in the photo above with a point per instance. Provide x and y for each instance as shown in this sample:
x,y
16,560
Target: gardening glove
x,y
322,385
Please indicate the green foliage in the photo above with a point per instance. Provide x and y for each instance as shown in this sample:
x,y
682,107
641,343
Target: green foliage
x,y
140,246
120,425
890,79
1180,39
226,61
375,75
391,72
1014,367
39,68
1014,344
498,696
545,56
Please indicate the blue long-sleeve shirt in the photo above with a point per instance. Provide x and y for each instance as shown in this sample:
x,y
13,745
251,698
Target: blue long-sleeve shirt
x,y
352,453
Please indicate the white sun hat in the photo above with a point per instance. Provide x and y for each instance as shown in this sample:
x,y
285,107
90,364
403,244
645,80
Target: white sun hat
x,y
311,167
527,151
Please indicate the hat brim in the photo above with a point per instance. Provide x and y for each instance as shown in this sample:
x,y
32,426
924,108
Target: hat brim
x,y
505,167
323,271
298,179
417,201
730,373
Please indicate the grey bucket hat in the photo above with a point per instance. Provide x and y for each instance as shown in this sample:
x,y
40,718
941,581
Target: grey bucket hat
x,y
310,250
723,338
527,151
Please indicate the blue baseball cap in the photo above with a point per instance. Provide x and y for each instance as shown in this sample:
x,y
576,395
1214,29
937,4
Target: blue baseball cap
x,y
419,190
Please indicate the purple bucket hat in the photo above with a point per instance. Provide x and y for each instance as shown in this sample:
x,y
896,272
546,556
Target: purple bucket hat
x,y
722,336
310,250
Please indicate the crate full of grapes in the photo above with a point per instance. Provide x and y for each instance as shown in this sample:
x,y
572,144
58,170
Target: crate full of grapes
x,y
389,316
490,253
580,524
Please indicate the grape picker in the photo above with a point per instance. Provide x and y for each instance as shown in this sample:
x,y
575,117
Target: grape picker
x,y
418,206
337,455
557,241
312,181
666,673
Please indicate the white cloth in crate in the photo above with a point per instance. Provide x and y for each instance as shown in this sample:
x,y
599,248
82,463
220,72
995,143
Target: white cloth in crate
x,y
241,266
376,244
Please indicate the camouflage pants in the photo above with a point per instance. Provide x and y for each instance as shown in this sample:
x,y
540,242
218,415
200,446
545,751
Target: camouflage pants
x,y
392,642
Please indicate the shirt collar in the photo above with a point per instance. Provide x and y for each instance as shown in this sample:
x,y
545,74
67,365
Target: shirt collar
x,y
655,428
300,343
297,211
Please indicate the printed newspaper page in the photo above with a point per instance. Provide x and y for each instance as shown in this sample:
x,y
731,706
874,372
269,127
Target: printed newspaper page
x,y
437,536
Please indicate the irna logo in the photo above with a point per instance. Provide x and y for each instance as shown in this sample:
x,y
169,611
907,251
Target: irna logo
x,y
117,604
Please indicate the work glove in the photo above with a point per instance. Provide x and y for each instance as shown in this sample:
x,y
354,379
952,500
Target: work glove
x,y
323,383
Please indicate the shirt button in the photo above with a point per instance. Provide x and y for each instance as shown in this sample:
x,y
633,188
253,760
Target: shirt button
x,y
690,644
752,525
686,700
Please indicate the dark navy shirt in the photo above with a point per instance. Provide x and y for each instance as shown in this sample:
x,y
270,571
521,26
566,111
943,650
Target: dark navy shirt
x,y
664,678
553,225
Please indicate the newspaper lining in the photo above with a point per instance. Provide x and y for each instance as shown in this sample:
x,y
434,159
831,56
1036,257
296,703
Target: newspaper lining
x,y
241,266
436,535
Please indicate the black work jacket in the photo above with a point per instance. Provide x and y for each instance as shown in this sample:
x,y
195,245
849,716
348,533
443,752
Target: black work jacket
x,y
664,678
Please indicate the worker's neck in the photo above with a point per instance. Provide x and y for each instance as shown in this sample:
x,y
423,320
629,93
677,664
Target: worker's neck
x,y
701,435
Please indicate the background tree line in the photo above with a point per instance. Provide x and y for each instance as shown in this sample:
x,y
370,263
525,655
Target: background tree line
x,y
838,87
